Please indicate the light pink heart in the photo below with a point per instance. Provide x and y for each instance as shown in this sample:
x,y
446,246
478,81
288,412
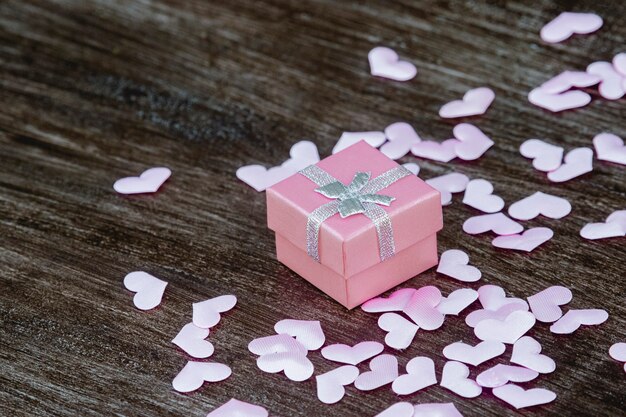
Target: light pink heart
x,y
455,378
348,139
384,370
546,157
149,289
309,333
479,194
148,182
401,409
454,263
498,223
474,355
615,226
545,304
573,319
436,410
384,62
457,301
500,374
401,138
567,24
568,100
527,241
420,374
500,314
538,203
618,352
413,167
236,408
473,142
352,355
275,344
330,386
191,339
520,398
448,184
397,301
422,308
527,352
619,63
508,331
569,79
610,147
194,374
296,366
611,85
493,297
578,161
474,102
400,331
442,152
206,314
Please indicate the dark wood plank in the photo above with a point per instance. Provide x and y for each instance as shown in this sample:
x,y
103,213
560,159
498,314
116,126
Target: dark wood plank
x,y
93,91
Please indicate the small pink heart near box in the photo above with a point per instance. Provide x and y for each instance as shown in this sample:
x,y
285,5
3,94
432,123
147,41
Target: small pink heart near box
x,y
388,234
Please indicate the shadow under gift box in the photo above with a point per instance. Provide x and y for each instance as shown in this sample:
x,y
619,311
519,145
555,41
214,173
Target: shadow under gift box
x,y
350,269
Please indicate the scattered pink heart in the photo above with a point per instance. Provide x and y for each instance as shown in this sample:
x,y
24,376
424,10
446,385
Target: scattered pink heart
x,y
455,378
610,147
545,304
508,331
148,182
527,353
401,138
442,152
206,314
384,370
296,366
413,167
194,374
309,333
546,157
474,355
498,223
352,355
448,184
236,408
479,194
573,319
569,79
615,226
611,84
527,241
499,314
457,301
384,62
500,374
473,142
567,24
493,297
191,339
619,63
422,308
149,289
474,102
420,374
538,203
330,386
568,100
397,301
401,409
520,398
276,344
348,139
618,352
400,331
455,263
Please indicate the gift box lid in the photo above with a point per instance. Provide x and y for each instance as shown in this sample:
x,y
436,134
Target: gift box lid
x,y
350,245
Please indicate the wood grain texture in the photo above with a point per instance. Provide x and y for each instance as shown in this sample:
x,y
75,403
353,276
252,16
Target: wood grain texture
x,y
93,91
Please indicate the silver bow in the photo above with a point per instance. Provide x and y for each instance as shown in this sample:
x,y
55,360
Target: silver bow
x,y
357,197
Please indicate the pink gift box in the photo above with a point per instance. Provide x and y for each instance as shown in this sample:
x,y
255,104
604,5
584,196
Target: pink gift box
x,y
350,269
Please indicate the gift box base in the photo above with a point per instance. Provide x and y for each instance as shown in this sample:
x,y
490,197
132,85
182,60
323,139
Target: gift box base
x,y
355,290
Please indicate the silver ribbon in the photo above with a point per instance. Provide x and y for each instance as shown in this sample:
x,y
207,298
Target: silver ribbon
x,y
360,196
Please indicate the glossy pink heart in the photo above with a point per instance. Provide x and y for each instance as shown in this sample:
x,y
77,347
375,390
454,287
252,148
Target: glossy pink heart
x,y
442,152
275,344
401,409
618,352
236,408
500,313
330,386
474,355
400,331
610,147
149,289
473,142
527,352
401,137
493,297
206,314
352,355
191,339
397,301
508,331
436,410
615,226
567,100
567,24
500,374
296,366
421,308
569,79
455,263
578,161
545,304
448,184
420,374
457,301
384,62
498,223
309,333
455,378
194,374
384,370
573,319
547,205
546,157
148,182
474,102
527,241
611,84
479,194
520,398
348,139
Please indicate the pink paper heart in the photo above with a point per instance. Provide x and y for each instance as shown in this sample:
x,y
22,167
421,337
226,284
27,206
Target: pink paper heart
x,y
448,184
618,352
474,355
194,374
500,374
615,226
275,344
397,301
384,62
619,63
520,398
149,289
400,331
148,182
236,408
479,194
610,147
421,308
401,409
191,339
498,223
573,319
500,314
457,301
508,331
578,161
206,314
527,241
474,102
538,203
546,157
296,366
455,378
309,333
567,24
420,374
493,297
352,355
611,84
545,304
348,139
527,352
413,167
558,102
330,386
401,138
436,410
569,79
442,152
454,263
473,142
384,370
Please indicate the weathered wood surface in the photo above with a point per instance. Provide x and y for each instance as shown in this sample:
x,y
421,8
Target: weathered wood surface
x,y
94,91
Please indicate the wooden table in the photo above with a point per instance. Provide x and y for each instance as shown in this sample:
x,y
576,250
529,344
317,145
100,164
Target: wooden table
x,y
94,91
